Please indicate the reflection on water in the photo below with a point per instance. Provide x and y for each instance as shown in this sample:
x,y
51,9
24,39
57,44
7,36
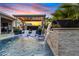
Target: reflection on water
x,y
24,46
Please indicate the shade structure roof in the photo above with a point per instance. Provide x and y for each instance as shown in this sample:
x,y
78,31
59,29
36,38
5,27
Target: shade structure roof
x,y
34,17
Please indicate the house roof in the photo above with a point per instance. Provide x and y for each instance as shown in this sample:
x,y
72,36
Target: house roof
x,y
6,15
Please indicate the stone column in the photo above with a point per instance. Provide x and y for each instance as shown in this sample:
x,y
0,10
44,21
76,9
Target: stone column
x,y
0,24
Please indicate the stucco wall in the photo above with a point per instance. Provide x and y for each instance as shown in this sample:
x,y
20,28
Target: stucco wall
x,y
53,42
0,24
64,42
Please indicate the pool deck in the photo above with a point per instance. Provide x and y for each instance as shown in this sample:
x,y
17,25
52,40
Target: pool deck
x,y
4,36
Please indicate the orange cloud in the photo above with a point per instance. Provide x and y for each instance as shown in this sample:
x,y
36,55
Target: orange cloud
x,y
25,12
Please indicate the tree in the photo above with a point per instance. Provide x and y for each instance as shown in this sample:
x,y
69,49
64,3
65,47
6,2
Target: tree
x,y
75,8
68,10
58,15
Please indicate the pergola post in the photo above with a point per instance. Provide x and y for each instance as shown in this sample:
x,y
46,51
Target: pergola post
x,y
43,26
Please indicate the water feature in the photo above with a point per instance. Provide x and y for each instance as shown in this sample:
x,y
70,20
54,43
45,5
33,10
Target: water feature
x,y
24,46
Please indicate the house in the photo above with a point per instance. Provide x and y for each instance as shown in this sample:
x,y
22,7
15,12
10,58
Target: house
x,y
6,23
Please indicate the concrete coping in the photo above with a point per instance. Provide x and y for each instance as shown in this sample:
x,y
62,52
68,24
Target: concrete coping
x,y
65,28
9,37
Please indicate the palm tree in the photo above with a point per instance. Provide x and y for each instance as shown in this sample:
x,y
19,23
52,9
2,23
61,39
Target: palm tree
x,y
58,15
71,10
76,11
68,10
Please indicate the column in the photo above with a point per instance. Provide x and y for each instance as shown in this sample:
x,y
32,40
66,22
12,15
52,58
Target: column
x,y
0,24
13,25
43,26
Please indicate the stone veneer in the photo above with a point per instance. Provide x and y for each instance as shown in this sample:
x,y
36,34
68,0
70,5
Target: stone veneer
x,y
64,41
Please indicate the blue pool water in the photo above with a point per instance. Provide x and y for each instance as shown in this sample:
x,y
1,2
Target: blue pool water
x,y
24,46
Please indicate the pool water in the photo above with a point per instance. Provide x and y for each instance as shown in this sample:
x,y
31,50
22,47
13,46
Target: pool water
x,y
24,46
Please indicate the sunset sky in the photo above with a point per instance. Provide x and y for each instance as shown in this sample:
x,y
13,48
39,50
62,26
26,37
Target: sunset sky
x,y
28,8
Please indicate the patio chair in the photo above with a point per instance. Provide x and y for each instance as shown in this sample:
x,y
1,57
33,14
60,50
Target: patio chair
x,y
26,32
33,33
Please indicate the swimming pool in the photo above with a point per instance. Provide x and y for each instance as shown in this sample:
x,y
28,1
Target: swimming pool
x,y
24,46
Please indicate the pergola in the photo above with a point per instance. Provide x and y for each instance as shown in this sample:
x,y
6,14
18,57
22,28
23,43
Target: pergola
x,y
31,20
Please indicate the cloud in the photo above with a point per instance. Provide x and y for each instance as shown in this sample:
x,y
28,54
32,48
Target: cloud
x,y
26,8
